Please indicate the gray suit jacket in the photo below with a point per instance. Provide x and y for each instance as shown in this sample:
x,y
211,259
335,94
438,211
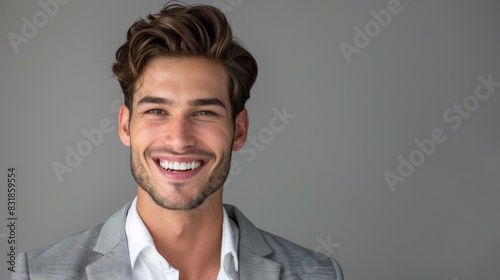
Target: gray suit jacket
x,y
102,253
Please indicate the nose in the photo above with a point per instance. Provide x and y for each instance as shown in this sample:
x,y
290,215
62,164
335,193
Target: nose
x,y
179,134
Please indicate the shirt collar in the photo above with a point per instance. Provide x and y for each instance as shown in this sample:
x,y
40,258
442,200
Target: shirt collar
x,y
230,239
139,238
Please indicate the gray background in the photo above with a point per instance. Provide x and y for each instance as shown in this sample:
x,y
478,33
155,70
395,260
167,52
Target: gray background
x,y
321,178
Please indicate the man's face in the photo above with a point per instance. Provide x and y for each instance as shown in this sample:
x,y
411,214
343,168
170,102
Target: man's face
x,y
180,132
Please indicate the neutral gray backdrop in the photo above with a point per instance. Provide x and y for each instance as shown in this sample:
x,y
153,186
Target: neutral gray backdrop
x,y
316,179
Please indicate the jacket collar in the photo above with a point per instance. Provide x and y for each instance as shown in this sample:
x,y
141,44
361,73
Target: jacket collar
x,y
112,244
115,261
253,249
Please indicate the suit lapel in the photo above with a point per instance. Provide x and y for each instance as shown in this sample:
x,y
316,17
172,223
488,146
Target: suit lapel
x,y
253,267
253,250
113,265
112,244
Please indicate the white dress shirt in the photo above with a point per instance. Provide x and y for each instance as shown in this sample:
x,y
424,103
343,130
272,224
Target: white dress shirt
x,y
148,264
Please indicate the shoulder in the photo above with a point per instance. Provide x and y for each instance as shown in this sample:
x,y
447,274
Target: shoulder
x,y
68,258
65,259
296,261
75,244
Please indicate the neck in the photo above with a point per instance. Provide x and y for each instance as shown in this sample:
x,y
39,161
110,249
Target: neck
x,y
189,240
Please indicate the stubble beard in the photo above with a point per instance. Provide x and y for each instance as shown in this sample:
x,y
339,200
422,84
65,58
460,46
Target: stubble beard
x,y
213,184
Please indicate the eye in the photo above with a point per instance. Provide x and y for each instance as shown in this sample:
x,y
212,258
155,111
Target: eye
x,y
155,112
205,113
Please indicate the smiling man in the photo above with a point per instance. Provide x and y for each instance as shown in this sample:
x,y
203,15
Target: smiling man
x,y
185,83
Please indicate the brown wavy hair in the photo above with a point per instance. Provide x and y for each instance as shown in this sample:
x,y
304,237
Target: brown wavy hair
x,y
185,31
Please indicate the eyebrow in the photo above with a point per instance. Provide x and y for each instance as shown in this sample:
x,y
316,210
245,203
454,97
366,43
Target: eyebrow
x,y
206,102
156,100
193,103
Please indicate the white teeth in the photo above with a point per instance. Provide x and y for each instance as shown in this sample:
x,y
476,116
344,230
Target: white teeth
x,y
182,166
173,165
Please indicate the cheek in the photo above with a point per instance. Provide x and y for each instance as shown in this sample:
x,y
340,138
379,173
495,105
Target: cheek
x,y
219,138
142,133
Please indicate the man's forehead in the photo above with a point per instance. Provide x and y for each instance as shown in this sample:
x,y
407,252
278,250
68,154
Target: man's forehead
x,y
183,79
170,67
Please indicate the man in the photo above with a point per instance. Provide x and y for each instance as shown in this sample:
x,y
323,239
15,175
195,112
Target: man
x,y
185,82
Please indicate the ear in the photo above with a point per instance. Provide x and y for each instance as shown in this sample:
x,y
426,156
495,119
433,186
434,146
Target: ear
x,y
240,130
123,125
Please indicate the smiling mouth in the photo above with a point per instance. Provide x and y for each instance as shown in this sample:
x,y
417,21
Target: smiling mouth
x,y
180,166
